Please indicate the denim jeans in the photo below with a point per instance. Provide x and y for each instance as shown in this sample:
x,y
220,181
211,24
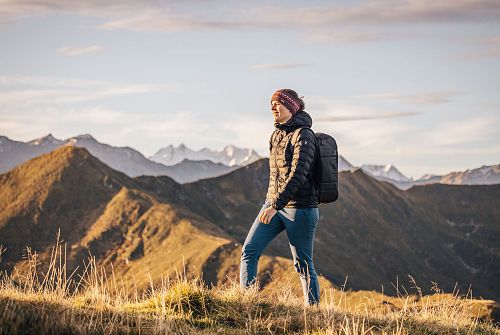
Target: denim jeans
x,y
300,225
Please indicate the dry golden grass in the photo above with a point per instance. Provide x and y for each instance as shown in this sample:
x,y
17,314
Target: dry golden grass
x,y
56,302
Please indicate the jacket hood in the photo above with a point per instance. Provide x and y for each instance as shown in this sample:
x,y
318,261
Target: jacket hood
x,y
301,119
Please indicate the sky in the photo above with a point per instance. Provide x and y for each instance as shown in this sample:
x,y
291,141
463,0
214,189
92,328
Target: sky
x,y
411,83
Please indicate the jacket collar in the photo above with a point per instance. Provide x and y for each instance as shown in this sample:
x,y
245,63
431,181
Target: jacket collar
x,y
301,119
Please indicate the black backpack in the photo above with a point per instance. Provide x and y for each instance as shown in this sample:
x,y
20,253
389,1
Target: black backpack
x,y
325,166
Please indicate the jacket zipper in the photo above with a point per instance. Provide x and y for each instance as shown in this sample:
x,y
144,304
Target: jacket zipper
x,y
276,165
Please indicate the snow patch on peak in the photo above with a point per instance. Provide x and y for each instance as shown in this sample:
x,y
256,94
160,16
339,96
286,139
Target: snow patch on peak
x,y
386,171
229,150
47,139
230,155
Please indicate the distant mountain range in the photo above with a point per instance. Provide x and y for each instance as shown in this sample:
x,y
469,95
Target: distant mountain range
x,y
186,165
124,159
484,175
375,234
230,155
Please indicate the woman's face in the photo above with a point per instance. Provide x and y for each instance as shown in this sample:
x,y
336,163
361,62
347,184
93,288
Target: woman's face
x,y
280,112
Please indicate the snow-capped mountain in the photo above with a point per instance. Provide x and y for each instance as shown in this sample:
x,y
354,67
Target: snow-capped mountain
x,y
484,175
48,140
124,159
344,165
230,155
387,171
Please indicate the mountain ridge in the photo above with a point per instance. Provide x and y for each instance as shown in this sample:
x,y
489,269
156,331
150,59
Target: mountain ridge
x,y
186,165
125,159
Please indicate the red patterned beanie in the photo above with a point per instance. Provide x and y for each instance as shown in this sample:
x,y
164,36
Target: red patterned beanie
x,y
291,102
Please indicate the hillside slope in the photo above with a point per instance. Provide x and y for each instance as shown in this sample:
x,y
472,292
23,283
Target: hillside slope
x,y
143,226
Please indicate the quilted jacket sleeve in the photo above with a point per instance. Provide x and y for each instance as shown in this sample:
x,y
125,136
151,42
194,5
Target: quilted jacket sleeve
x,y
303,158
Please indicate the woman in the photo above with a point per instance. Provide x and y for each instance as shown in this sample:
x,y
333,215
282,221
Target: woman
x,y
291,202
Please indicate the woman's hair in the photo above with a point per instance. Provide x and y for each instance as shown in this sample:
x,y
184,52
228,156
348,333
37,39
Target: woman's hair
x,y
292,92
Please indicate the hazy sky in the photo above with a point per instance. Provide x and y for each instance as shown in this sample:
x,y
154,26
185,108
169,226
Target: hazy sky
x,y
412,83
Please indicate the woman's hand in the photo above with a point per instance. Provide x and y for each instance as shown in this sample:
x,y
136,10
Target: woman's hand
x,y
267,214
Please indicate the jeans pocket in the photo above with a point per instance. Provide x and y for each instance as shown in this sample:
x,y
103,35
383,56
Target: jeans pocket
x,y
311,215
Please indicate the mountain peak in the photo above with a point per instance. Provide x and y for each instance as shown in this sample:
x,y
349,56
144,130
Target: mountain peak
x,y
385,171
51,163
70,152
47,139
73,162
85,136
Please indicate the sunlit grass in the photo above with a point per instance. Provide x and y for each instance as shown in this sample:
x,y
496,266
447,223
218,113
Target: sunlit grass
x,y
88,303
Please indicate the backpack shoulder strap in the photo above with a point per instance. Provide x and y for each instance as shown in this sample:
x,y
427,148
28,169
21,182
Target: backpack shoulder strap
x,y
296,134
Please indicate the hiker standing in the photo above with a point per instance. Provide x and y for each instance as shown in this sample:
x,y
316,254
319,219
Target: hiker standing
x,y
291,202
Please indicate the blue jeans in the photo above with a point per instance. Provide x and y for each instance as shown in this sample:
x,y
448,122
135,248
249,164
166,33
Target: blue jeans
x,y
300,226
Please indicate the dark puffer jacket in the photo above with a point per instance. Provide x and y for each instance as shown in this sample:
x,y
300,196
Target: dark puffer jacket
x,y
290,175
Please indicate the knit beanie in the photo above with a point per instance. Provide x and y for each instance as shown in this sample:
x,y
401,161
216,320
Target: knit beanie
x,y
287,99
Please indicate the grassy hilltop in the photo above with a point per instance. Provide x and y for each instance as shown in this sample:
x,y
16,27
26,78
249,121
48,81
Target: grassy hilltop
x,y
55,302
